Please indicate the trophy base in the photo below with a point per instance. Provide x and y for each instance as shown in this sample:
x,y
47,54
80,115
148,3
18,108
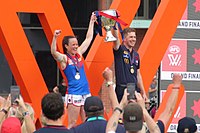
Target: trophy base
x,y
110,39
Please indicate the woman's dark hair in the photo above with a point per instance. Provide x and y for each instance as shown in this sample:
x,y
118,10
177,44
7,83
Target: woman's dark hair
x,y
65,41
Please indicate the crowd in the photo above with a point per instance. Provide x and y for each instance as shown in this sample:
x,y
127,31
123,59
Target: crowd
x,y
18,117
130,115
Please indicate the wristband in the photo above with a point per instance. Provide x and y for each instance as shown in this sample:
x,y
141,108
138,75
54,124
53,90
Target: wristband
x,y
175,87
120,110
4,111
109,83
120,121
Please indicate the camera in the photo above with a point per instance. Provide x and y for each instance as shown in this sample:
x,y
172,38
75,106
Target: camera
x,y
15,92
131,91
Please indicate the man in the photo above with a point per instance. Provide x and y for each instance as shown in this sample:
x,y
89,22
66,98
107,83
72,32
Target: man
x,y
187,125
132,117
53,111
151,103
134,110
95,122
153,89
127,63
61,88
151,125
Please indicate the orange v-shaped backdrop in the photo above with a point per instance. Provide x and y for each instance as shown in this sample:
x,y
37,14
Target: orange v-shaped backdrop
x,y
23,64
158,37
17,49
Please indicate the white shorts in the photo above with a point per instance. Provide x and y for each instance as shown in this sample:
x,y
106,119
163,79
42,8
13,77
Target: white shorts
x,y
77,100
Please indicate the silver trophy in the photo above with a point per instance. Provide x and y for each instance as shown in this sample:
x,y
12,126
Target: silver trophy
x,y
108,23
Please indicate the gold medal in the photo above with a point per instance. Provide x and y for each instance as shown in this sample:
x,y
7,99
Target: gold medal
x,y
132,70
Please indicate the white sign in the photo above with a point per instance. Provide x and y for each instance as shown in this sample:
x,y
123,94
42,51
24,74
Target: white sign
x,y
173,128
189,24
189,76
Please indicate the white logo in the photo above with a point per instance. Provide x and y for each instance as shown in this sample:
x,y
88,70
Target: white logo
x,y
174,49
174,57
177,114
175,60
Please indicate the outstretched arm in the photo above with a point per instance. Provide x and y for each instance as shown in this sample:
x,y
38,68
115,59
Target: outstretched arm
x,y
86,43
57,55
108,76
116,43
171,103
113,121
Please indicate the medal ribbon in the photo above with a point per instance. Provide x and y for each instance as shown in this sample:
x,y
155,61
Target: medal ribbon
x,y
99,29
113,17
131,58
74,62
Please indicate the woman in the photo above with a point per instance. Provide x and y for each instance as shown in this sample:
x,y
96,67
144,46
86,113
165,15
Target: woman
x,y
71,63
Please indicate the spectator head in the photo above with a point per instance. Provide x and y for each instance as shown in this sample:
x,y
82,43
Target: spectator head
x,y
93,106
52,106
11,125
186,125
147,104
133,117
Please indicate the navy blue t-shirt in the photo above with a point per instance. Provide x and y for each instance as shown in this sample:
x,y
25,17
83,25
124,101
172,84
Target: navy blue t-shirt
x,y
53,129
96,126
123,61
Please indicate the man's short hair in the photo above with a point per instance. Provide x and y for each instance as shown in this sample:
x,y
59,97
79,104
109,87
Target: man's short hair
x,y
93,106
133,117
52,106
186,125
128,30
